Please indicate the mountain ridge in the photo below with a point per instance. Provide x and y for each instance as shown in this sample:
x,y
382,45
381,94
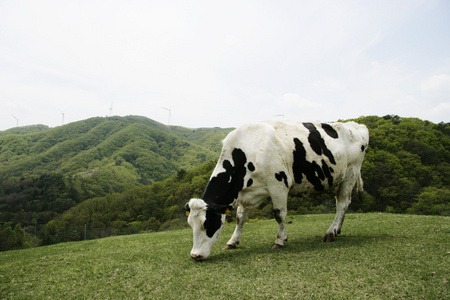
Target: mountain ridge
x,y
94,139
68,164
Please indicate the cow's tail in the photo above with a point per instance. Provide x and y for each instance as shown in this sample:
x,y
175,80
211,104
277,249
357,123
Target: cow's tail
x,y
360,186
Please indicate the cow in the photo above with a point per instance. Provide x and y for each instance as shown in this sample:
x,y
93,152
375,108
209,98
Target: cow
x,y
274,159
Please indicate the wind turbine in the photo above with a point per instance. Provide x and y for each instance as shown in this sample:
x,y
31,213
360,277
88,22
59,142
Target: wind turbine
x,y
62,122
281,115
170,113
17,120
110,110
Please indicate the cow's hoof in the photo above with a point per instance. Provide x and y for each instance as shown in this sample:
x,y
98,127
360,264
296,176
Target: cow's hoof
x,y
276,246
329,237
228,247
197,257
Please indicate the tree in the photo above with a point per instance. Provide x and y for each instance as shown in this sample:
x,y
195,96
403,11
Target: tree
x,y
432,201
12,239
7,238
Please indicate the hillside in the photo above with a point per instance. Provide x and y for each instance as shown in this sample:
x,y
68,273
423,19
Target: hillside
x,y
378,256
47,172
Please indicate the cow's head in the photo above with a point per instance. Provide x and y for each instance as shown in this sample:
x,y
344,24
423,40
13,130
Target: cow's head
x,y
207,222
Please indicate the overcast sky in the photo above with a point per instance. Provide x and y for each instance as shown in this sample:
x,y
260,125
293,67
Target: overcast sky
x,y
223,63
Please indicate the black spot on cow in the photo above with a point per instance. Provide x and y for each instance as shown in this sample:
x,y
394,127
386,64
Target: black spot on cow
x,y
212,223
251,167
227,165
362,148
317,143
318,171
313,172
327,172
282,176
302,166
224,187
249,182
330,130
299,160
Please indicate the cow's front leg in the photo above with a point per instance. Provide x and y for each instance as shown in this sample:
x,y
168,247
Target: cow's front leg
x,y
241,217
280,216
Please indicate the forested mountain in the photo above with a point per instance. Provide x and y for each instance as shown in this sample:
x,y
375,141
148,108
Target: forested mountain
x,y
47,172
406,170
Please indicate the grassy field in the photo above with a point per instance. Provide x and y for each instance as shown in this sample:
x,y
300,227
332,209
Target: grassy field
x,y
378,256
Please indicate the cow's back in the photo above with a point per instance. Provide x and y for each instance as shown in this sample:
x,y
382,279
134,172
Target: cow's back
x,y
304,157
319,155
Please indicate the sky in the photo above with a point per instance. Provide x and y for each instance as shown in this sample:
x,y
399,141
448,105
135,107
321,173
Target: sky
x,y
223,63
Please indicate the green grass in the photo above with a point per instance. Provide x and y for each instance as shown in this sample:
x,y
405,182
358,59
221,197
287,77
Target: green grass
x,y
378,256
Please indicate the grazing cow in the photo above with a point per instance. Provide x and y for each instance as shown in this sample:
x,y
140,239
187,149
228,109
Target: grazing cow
x,y
274,159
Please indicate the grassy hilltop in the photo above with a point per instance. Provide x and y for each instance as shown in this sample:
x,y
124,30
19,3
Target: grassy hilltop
x,y
378,256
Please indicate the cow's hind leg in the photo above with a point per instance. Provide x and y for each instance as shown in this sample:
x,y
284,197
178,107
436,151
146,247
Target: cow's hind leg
x,y
280,216
279,200
241,217
343,200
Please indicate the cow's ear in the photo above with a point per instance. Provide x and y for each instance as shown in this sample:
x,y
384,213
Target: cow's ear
x,y
187,209
228,212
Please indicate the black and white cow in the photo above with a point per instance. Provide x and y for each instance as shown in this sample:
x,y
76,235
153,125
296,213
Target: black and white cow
x,y
274,159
